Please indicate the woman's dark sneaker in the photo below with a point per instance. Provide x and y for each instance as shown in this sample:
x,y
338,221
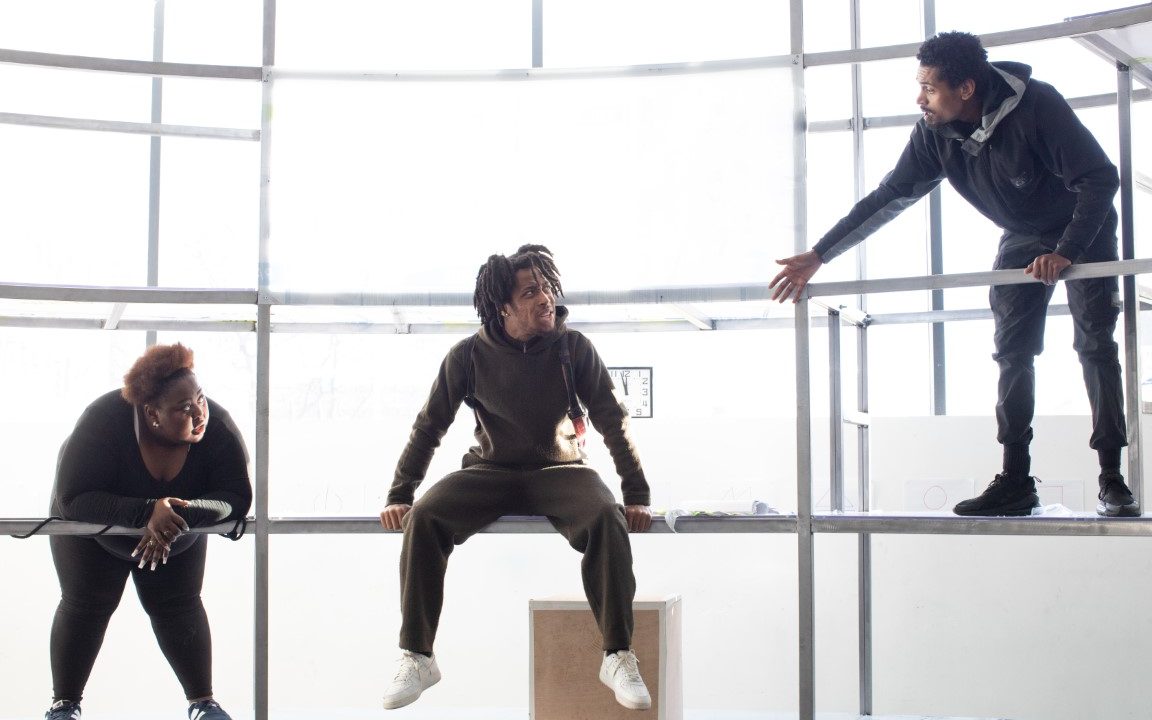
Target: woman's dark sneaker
x,y
1115,498
63,710
1005,495
207,710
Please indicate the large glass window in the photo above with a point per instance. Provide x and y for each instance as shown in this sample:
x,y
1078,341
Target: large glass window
x,y
827,25
983,16
423,35
209,213
889,22
580,33
75,207
99,28
633,182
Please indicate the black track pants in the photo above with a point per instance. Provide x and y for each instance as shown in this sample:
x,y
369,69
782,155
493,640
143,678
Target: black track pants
x,y
1020,311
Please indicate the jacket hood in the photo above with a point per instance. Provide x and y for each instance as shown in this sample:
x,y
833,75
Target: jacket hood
x,y
493,335
1006,84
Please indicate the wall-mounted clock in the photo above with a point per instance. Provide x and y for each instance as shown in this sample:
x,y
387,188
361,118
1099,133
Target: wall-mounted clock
x,y
634,389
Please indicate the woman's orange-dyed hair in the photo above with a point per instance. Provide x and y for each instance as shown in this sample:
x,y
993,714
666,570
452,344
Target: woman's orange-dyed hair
x,y
152,371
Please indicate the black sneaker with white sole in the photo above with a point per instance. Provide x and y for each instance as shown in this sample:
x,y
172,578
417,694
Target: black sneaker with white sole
x,y
1005,495
63,710
1115,498
207,710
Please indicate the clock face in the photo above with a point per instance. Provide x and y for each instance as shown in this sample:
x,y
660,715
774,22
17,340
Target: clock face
x,y
634,389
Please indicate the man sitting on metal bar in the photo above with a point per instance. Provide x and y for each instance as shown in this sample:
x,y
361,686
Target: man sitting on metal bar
x,y
1015,150
525,375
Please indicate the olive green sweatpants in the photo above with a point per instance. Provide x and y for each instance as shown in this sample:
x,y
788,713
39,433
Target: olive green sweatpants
x,y
572,497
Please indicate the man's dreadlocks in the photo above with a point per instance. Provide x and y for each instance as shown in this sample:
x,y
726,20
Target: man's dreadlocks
x,y
497,279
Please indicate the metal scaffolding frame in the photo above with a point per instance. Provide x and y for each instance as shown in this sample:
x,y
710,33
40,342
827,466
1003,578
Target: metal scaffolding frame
x,y
805,522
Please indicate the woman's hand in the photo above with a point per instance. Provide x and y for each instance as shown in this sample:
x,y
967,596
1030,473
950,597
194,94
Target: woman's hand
x,y
163,527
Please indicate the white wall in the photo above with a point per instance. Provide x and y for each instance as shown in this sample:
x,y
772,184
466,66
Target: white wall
x,y
974,626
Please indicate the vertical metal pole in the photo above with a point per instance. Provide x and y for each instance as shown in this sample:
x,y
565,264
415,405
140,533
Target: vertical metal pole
x,y
936,262
858,123
1131,300
804,540
864,570
836,416
260,564
799,132
154,159
537,33
936,267
261,594
864,542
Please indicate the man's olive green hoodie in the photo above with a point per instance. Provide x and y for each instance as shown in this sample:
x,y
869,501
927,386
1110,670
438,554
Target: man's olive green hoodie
x,y
521,409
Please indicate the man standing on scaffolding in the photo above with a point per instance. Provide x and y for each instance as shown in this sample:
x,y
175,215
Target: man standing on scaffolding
x,y
1015,150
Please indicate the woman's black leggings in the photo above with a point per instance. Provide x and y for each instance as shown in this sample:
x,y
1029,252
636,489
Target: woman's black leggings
x,y
91,583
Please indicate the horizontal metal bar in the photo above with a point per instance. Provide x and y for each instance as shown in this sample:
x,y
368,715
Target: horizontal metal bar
x,y
930,316
1066,29
52,323
826,126
92,293
521,524
585,73
132,128
847,523
1085,525
511,524
976,279
891,121
168,324
910,119
138,67
449,328
639,296
1106,99
23,526
848,315
58,323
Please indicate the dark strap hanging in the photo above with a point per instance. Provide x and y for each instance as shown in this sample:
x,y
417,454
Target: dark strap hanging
x,y
575,412
469,375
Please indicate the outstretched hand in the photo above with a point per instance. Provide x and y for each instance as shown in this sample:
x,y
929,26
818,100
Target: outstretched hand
x,y
798,270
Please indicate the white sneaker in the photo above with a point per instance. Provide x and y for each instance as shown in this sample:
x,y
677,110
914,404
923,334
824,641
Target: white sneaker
x,y
621,672
415,673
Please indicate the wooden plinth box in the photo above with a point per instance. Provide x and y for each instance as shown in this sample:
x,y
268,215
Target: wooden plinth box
x,y
564,669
